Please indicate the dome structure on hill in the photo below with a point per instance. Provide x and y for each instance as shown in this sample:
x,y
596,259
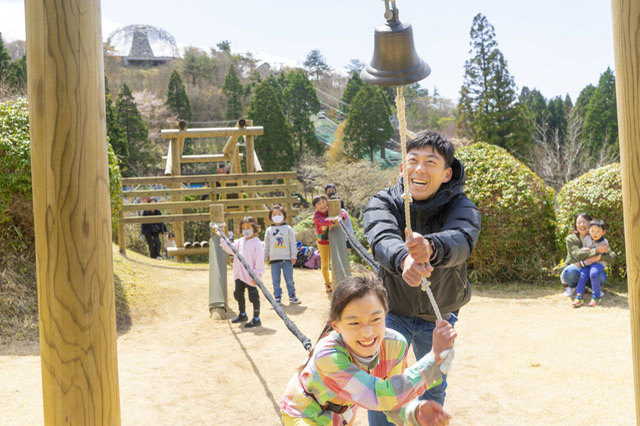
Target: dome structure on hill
x,y
143,45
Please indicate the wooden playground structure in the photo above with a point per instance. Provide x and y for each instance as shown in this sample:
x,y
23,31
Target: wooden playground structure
x,y
247,193
72,211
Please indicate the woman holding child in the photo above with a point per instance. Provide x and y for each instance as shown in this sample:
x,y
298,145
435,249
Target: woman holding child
x,y
575,254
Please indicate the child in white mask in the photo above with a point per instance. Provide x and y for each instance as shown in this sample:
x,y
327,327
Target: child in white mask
x,y
280,251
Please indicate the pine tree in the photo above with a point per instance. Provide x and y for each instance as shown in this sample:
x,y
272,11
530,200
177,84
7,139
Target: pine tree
x,y
233,90
315,64
275,147
115,134
18,74
136,133
177,99
368,126
350,92
600,127
300,102
5,60
488,109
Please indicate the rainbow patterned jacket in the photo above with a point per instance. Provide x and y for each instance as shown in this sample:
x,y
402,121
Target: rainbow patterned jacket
x,y
332,375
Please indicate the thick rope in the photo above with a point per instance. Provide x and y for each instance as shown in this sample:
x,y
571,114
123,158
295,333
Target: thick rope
x,y
287,321
362,252
406,195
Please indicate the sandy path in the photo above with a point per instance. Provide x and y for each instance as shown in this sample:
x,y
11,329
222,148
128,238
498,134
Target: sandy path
x,y
521,359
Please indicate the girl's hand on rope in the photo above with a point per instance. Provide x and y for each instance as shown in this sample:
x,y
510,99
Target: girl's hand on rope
x,y
413,272
419,247
443,337
430,413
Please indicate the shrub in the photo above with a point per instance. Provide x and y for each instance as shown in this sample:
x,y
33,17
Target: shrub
x,y
599,193
306,231
517,240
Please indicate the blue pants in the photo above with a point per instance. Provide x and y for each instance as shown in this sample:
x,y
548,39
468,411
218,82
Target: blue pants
x,y
287,270
571,274
591,272
419,335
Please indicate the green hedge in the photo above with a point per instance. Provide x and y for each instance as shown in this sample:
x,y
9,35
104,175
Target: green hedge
x,y
517,240
598,193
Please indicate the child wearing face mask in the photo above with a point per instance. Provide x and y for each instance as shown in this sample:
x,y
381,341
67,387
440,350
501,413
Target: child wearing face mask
x,y
280,251
250,248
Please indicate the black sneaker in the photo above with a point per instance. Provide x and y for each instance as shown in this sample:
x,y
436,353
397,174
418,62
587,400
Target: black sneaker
x,y
240,318
253,323
278,299
294,300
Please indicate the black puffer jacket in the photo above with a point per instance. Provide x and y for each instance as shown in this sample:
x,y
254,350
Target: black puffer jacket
x,y
450,220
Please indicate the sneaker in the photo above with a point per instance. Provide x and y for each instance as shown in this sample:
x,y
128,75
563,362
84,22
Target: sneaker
x,y
578,301
240,318
601,294
568,292
278,299
328,288
255,322
594,302
294,300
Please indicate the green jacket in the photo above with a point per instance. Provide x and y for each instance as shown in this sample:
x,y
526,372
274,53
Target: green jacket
x,y
574,254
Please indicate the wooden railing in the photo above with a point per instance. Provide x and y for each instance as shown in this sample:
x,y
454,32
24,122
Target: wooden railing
x,y
252,195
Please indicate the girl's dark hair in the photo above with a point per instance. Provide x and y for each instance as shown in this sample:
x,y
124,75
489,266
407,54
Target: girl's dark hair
x,y
584,215
346,290
277,207
317,199
250,220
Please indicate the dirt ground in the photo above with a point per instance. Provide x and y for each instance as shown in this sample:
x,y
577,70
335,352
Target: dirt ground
x,y
522,358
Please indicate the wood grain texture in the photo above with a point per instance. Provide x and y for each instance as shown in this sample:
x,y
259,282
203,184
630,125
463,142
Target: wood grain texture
x,y
72,213
626,35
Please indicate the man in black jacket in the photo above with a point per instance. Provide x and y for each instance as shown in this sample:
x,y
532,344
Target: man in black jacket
x,y
445,225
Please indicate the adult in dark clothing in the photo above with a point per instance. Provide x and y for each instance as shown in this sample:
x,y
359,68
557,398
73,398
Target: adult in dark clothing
x,y
445,224
152,231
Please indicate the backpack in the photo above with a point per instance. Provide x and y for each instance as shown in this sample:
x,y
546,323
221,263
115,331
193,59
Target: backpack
x,y
314,261
303,255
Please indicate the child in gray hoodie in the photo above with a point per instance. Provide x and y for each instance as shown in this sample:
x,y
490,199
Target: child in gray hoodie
x,y
280,251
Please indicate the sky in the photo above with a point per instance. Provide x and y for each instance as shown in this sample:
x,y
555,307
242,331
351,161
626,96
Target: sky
x,y
556,46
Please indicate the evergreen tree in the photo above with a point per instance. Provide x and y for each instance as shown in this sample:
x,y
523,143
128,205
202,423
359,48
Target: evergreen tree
x,y
368,126
275,147
177,99
354,66
580,109
5,60
536,105
488,110
600,127
224,46
315,64
233,90
197,65
300,102
18,74
350,92
557,118
136,133
115,134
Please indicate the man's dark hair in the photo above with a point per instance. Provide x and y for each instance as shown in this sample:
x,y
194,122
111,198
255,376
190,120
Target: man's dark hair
x,y
599,223
436,140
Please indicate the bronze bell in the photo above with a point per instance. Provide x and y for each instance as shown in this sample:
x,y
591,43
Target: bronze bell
x,y
395,61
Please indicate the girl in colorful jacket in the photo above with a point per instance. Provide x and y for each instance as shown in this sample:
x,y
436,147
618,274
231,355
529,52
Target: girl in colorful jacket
x,y
358,362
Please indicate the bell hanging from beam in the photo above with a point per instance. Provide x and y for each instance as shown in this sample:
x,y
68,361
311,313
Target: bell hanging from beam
x,y
395,61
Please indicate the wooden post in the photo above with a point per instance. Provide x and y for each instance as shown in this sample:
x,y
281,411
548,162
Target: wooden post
x,y
249,150
76,301
217,267
626,26
122,239
176,170
338,247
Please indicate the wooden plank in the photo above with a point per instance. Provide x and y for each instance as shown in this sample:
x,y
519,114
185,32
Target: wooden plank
x,y
205,158
72,223
212,132
626,27
194,217
204,203
181,251
203,191
165,180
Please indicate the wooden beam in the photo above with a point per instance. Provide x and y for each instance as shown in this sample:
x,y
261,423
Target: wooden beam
x,y
194,217
212,132
72,215
181,251
162,205
205,158
626,27
203,191
165,180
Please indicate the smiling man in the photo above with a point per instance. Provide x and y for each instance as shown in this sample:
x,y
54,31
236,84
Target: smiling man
x,y
446,226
